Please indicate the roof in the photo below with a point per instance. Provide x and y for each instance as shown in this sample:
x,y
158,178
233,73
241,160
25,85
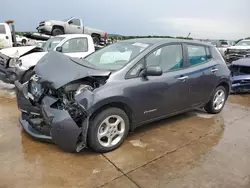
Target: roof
x,y
163,40
242,62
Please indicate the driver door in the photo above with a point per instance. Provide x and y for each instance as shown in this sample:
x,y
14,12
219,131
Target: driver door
x,y
154,97
74,27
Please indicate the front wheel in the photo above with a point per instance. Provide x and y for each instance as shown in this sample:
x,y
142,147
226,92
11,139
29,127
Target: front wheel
x,y
57,31
108,130
217,101
27,75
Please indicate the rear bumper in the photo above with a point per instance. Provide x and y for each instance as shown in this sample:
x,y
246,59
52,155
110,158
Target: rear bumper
x,y
49,124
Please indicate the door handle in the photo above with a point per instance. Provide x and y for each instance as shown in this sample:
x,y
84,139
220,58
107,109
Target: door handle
x,y
214,70
79,27
183,78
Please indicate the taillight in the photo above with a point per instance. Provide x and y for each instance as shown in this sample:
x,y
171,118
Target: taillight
x,y
105,35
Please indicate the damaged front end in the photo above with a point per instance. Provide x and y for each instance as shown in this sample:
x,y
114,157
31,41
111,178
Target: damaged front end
x,y
64,112
10,60
240,76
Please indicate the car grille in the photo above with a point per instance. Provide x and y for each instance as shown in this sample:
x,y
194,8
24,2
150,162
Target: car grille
x,y
42,24
238,51
4,60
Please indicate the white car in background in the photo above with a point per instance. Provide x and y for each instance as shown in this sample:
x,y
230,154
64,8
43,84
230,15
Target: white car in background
x,y
21,68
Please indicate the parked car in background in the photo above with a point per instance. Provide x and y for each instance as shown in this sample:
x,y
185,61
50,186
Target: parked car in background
x,y
238,51
21,40
240,75
71,26
222,45
21,67
5,36
95,101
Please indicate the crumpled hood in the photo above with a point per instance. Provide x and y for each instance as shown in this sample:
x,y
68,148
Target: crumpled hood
x,y
60,69
16,52
239,47
31,59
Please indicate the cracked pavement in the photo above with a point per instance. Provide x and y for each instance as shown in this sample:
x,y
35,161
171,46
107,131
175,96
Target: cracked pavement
x,y
191,150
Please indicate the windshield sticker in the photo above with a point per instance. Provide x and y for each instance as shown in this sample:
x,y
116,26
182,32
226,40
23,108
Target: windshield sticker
x,y
141,45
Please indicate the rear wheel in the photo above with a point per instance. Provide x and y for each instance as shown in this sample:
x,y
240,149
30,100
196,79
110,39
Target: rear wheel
x,y
217,101
108,130
96,40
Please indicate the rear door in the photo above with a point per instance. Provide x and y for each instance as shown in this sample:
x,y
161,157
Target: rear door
x,y
201,73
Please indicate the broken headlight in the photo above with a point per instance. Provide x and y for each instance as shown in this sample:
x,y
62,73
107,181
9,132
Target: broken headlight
x,y
14,62
83,88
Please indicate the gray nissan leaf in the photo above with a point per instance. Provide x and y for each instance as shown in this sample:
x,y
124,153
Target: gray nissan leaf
x,y
95,102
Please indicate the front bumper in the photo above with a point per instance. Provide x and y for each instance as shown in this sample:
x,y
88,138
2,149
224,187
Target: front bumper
x,y
240,88
43,122
234,57
44,29
10,75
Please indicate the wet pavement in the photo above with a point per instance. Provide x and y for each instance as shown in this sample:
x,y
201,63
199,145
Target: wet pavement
x,y
191,150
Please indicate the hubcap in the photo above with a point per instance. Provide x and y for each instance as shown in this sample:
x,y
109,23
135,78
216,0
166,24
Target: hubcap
x,y
219,99
111,131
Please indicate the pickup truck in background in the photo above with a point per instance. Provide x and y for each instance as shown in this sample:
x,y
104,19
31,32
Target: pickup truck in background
x,y
71,26
17,63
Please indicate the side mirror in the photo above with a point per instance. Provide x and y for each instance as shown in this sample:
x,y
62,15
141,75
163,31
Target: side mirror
x,y
153,71
70,22
59,49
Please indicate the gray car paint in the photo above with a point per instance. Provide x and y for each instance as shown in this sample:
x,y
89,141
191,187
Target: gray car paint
x,y
146,98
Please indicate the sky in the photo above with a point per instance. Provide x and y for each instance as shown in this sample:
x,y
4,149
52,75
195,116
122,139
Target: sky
x,y
213,19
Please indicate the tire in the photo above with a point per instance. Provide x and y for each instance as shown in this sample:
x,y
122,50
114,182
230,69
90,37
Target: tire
x,y
57,31
24,41
96,40
215,108
99,143
27,75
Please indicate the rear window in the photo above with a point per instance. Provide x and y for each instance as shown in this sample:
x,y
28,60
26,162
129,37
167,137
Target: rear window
x,y
2,29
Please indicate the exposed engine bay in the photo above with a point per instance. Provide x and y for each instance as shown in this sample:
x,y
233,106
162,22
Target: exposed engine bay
x,y
65,96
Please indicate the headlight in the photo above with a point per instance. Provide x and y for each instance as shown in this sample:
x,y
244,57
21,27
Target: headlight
x,y
15,62
48,23
83,88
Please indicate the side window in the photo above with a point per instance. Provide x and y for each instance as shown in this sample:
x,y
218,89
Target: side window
x,y
75,45
2,29
76,22
197,54
169,58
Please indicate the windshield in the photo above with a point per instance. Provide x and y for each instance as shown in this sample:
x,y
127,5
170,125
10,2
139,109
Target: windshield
x,y
115,56
52,43
65,20
243,43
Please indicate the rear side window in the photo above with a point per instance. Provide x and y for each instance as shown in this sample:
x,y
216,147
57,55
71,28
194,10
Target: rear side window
x,y
2,29
198,54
